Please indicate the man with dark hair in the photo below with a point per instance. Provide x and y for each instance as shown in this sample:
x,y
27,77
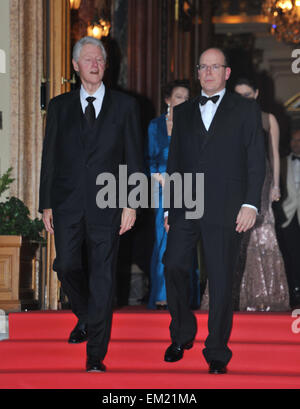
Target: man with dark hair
x,y
288,212
89,131
220,135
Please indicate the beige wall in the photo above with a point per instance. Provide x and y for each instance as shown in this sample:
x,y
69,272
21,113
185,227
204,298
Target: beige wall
x,y
277,60
5,88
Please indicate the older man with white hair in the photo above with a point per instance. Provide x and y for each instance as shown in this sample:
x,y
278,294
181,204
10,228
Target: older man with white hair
x,y
89,131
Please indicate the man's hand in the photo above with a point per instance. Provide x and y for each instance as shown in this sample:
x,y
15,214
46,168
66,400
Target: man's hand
x,y
166,225
48,220
127,220
245,219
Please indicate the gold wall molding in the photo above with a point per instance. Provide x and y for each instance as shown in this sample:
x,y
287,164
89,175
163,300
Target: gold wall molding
x,y
59,59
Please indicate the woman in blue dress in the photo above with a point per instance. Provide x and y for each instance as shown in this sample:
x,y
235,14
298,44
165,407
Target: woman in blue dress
x,y
159,135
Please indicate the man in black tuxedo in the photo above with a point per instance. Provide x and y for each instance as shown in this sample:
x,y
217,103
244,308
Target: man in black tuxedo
x,y
288,217
89,131
220,135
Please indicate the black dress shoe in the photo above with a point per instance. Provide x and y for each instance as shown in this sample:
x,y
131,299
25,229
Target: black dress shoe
x,y
217,368
175,351
94,366
79,334
161,306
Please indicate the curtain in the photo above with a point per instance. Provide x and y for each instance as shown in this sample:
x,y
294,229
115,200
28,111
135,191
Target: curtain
x,y
26,62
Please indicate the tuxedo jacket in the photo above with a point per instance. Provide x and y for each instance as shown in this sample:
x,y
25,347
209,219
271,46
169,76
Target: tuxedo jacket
x,y
75,154
289,202
231,155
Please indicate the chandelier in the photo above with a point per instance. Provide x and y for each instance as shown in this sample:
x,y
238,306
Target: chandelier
x,y
284,16
75,4
99,28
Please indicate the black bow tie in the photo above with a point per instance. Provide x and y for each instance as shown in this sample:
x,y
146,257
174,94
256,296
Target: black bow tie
x,y
203,99
295,157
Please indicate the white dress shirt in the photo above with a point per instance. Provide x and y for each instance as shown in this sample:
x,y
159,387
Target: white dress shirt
x,y
99,95
209,109
296,171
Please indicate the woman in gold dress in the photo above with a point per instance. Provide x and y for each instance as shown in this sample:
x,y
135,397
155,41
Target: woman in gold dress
x,y
262,278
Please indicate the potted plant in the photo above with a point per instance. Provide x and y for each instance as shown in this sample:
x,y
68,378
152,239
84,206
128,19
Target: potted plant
x,y
20,237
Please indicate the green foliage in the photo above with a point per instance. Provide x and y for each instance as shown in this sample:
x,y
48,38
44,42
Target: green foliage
x,y
5,181
14,215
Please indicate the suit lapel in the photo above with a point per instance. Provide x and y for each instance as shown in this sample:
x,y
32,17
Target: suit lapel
x,y
104,109
74,116
197,129
283,176
198,121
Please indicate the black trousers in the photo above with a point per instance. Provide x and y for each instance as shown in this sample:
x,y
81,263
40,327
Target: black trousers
x,y
220,249
89,287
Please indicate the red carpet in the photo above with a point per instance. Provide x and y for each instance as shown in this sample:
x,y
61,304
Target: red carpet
x,y
266,354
